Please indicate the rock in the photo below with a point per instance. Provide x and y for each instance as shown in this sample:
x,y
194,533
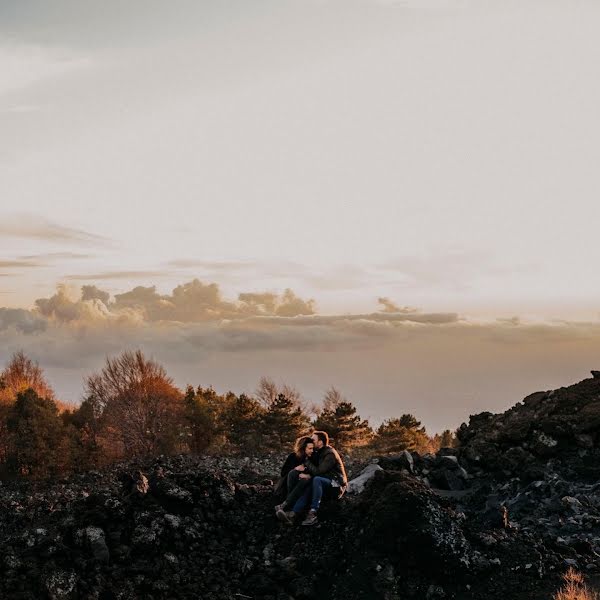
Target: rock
x,y
406,514
173,521
571,503
516,459
61,585
535,399
544,445
96,541
447,461
435,591
584,440
357,485
447,479
196,531
404,460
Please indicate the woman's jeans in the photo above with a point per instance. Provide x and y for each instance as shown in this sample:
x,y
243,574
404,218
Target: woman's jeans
x,y
316,489
296,488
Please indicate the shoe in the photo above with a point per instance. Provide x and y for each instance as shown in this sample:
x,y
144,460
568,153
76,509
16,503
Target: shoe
x,y
286,517
279,507
311,518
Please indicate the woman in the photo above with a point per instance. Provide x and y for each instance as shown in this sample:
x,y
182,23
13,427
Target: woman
x,y
292,482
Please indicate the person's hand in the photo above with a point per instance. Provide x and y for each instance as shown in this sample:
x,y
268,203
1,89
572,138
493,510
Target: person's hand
x,y
304,476
300,468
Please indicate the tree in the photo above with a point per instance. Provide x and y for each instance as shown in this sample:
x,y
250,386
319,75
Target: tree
x,y
202,408
38,444
141,407
242,423
87,423
20,374
267,392
283,422
339,419
403,433
447,439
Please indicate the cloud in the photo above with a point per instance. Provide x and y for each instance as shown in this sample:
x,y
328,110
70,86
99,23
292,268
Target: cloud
x,y
118,275
292,306
196,314
38,228
21,320
190,302
10,264
196,301
50,256
65,307
390,307
192,263
91,292
259,303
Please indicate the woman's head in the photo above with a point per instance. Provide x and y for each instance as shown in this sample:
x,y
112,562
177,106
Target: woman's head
x,y
304,447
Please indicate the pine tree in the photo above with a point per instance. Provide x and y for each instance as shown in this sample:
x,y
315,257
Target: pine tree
x,y
201,411
38,444
86,424
283,422
403,433
339,419
242,422
447,439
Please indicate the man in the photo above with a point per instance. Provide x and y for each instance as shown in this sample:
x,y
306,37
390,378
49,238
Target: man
x,y
327,475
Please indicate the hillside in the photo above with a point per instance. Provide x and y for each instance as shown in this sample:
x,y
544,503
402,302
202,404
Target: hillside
x,y
500,517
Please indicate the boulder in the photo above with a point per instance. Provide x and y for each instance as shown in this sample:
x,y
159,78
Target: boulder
x,y
357,485
404,460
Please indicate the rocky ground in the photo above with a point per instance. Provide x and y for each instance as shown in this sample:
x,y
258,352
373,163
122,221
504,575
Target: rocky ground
x,y
500,517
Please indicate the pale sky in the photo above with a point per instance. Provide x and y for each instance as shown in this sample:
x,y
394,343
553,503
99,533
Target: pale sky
x,y
443,154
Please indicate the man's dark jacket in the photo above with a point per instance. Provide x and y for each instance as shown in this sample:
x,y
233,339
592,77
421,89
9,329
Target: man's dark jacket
x,y
329,464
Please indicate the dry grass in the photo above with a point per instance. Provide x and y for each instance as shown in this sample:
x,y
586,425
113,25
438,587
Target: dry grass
x,y
575,588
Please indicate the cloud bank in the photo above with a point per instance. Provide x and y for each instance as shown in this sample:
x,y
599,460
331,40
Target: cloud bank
x,y
440,366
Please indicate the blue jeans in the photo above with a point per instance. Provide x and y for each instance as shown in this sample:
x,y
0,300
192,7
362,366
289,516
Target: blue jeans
x,y
319,485
296,487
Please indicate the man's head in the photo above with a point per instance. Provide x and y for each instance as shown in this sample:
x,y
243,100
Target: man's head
x,y
320,438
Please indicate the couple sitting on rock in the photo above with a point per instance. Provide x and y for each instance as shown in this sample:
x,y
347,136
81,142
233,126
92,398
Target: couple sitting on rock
x,y
312,471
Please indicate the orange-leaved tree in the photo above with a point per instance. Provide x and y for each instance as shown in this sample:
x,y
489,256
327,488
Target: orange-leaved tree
x,y
140,408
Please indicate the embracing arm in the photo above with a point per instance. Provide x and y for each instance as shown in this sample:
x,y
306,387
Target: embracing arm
x,y
326,464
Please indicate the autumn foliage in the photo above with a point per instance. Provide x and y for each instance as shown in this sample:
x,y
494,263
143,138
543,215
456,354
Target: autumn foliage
x,y
133,409
575,588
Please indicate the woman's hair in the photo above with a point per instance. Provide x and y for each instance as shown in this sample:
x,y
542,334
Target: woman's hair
x,y
300,445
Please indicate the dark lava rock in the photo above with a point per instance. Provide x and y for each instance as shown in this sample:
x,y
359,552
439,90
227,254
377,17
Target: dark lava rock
x,y
501,516
400,513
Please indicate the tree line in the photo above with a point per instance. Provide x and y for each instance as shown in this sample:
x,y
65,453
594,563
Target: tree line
x,y
133,409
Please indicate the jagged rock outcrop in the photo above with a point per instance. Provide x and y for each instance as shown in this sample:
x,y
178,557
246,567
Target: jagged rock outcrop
x,y
562,424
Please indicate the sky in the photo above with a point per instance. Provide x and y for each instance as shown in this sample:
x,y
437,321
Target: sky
x,y
422,174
